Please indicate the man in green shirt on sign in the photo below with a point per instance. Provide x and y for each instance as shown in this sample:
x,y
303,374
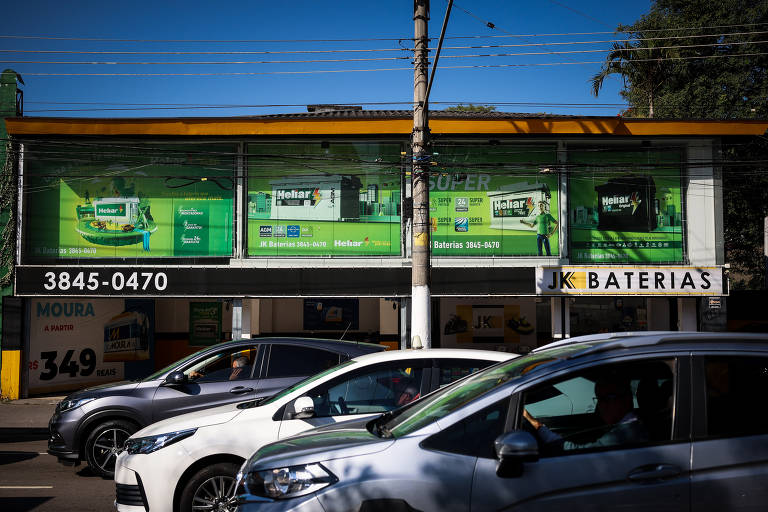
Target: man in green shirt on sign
x,y
543,220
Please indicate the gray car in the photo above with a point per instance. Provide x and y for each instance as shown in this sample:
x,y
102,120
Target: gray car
x,y
650,421
93,424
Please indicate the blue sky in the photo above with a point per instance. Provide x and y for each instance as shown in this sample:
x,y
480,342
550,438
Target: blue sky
x,y
241,31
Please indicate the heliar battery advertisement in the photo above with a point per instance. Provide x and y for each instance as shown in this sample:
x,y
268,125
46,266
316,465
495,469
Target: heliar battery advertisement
x,y
89,201
324,199
626,207
494,201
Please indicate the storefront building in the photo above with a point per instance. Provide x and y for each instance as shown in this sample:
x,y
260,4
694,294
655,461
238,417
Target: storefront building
x,y
142,239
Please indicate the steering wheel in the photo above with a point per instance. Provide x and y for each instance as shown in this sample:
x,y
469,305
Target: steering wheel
x,y
343,405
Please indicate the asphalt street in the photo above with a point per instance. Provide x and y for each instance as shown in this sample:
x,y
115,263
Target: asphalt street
x,y
32,480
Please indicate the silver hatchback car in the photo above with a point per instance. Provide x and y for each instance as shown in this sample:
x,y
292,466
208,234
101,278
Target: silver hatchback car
x,y
649,421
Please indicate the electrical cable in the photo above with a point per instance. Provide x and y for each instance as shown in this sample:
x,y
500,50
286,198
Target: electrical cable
x,y
335,71
561,52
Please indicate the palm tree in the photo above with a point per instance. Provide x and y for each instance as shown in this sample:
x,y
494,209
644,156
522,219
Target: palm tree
x,y
643,66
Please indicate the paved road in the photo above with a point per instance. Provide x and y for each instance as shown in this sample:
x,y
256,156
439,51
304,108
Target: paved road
x,y
32,480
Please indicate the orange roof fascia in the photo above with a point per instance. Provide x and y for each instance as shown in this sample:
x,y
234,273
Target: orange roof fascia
x,y
185,127
205,127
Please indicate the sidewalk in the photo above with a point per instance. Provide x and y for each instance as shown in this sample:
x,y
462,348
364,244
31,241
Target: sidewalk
x,y
26,417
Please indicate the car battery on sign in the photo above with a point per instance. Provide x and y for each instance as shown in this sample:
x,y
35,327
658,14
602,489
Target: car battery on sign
x,y
627,204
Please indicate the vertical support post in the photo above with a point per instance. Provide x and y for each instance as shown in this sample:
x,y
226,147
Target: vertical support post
x,y
405,329
562,200
241,212
421,328
237,319
246,321
765,253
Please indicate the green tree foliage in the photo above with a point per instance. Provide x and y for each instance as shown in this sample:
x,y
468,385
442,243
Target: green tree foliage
x,y
483,109
694,59
701,59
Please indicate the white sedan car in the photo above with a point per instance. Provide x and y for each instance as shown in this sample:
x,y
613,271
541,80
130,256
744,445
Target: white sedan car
x,y
189,462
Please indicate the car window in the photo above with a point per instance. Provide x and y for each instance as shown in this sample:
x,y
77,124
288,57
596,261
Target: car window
x,y
180,362
454,369
377,389
446,400
732,385
296,361
604,406
235,363
475,434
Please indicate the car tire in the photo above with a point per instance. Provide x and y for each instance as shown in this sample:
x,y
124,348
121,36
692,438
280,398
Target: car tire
x,y
104,443
211,486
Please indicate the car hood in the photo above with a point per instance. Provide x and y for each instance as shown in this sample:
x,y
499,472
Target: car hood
x,y
114,388
346,439
196,419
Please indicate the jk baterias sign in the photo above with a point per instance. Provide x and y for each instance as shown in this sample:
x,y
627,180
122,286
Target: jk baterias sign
x,y
616,280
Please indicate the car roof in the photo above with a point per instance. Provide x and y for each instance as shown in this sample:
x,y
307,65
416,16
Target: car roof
x,y
431,353
604,342
351,348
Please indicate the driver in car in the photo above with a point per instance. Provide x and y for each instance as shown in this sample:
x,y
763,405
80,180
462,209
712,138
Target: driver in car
x,y
615,408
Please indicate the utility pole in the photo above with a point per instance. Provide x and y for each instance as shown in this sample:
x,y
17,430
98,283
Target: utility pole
x,y
420,255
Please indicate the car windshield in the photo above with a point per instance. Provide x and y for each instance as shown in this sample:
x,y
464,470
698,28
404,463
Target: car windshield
x,y
302,383
452,397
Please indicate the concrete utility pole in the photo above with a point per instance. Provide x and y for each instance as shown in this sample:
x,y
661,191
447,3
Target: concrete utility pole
x,y
765,253
420,272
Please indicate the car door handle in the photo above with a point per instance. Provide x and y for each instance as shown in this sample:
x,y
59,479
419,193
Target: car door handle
x,y
239,390
654,472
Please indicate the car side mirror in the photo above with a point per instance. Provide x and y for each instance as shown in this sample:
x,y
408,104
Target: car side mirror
x,y
512,449
176,378
303,407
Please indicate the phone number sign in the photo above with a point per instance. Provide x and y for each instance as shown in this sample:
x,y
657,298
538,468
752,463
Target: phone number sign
x,y
55,281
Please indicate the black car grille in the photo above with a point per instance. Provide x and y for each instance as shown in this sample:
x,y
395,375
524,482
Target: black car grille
x,y
130,495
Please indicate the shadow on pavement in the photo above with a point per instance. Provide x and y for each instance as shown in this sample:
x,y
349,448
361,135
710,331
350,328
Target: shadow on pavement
x,y
88,473
22,504
19,434
13,457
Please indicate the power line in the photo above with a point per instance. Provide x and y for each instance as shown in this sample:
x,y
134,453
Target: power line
x,y
318,71
118,40
397,39
373,59
241,52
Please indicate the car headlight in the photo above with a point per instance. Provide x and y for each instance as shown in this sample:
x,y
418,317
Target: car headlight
x,y
72,403
150,444
287,482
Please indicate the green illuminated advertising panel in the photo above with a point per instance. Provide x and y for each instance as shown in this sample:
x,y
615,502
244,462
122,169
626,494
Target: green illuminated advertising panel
x,y
494,200
324,199
625,207
89,200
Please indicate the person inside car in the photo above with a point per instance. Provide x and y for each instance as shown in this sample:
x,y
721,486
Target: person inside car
x,y
238,370
616,410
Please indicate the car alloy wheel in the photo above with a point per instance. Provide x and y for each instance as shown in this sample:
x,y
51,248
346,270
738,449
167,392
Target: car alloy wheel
x,y
103,445
211,489
216,494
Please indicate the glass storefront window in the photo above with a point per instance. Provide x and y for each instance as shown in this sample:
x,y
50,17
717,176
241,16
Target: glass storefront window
x,y
625,206
494,200
590,315
99,200
324,199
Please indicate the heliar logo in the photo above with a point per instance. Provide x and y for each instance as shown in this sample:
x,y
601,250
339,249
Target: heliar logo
x,y
104,209
622,202
306,193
